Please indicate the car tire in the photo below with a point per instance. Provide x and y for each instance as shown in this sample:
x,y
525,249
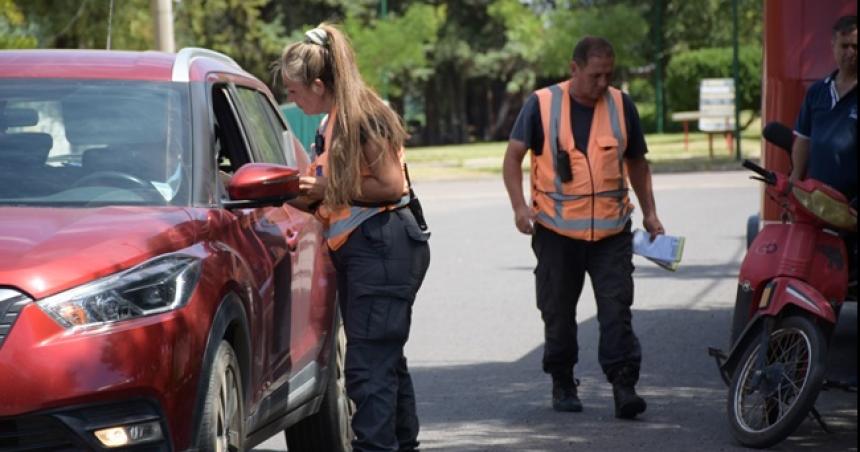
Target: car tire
x,y
329,429
222,425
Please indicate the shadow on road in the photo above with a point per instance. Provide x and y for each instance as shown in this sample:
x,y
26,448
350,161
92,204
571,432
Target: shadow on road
x,y
689,271
505,406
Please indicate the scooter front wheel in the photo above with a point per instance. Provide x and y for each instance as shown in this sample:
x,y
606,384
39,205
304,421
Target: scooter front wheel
x,y
767,403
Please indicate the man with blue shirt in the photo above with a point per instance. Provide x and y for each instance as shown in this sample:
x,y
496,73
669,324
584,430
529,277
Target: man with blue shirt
x,y
825,147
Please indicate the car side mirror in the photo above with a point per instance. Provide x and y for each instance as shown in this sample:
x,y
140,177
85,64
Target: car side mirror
x,y
261,185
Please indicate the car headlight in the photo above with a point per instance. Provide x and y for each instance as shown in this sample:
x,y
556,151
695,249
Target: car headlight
x,y
158,285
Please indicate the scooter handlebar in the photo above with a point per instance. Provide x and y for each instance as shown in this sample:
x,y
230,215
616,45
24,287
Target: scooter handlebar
x,y
768,176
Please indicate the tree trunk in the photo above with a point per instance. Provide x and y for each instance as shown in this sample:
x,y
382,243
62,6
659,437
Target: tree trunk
x,y
445,106
507,113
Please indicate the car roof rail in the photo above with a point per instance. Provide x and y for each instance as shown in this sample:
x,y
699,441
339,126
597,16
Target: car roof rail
x,y
182,65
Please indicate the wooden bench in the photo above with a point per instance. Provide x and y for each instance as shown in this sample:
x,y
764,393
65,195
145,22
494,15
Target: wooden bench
x,y
685,117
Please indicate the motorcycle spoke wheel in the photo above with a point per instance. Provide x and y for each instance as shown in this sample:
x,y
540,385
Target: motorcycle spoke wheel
x,y
763,406
767,403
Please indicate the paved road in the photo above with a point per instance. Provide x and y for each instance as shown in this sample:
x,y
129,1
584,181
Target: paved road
x,y
476,344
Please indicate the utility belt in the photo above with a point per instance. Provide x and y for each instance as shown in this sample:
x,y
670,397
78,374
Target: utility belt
x,y
414,204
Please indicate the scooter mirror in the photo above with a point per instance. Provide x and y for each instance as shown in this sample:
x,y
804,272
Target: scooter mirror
x,y
778,134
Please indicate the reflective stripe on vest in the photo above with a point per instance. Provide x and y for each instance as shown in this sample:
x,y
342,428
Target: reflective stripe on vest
x,y
339,222
595,204
345,220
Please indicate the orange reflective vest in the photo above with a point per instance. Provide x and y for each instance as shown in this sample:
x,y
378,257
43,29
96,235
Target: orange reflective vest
x,y
595,204
339,222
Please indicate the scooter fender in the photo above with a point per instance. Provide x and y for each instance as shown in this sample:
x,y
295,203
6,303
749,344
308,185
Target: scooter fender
x,y
785,293
790,291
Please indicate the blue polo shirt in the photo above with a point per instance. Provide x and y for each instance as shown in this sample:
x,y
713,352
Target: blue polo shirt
x,y
830,124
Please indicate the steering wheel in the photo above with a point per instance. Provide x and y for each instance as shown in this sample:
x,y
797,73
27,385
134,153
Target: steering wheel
x,y
112,175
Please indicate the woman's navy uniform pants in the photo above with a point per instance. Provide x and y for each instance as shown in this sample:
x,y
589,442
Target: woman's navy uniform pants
x,y
380,268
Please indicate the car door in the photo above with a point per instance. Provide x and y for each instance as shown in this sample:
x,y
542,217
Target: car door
x,y
259,236
293,333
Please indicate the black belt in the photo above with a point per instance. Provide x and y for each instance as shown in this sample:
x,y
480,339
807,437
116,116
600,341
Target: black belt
x,y
373,204
370,205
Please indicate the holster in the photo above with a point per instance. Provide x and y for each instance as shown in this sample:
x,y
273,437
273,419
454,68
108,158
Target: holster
x,y
414,203
417,211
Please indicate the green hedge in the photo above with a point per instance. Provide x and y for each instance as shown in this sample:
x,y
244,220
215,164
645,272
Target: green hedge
x,y
647,116
687,69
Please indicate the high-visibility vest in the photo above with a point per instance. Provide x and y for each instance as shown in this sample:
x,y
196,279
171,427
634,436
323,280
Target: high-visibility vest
x,y
339,222
595,204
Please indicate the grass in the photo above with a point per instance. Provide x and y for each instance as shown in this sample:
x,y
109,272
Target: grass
x,y
666,153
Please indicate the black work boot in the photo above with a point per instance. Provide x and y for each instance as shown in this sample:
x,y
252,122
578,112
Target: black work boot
x,y
564,396
627,403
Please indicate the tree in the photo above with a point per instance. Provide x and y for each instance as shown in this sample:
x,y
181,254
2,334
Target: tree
x,y
537,48
685,25
394,48
469,64
84,25
467,29
622,25
234,27
687,70
708,23
14,31
506,74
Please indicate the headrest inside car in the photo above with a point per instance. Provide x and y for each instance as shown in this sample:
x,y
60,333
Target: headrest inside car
x,y
25,148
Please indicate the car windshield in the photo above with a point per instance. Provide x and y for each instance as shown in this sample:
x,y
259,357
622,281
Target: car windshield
x,y
94,143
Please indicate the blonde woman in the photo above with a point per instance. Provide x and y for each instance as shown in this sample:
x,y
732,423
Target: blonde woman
x,y
358,188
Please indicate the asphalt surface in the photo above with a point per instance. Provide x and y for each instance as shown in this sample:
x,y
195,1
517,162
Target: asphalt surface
x,y
476,344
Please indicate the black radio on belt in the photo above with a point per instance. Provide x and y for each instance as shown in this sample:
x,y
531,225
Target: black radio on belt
x,y
562,166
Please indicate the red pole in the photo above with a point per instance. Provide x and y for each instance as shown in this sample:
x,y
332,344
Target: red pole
x,y
686,137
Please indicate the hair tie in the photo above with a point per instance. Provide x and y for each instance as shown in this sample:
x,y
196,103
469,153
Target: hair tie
x,y
317,36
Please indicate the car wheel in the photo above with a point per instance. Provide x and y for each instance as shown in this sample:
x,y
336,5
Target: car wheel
x,y
329,429
221,426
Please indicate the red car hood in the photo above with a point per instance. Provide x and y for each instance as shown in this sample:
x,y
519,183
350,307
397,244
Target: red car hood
x,y
47,250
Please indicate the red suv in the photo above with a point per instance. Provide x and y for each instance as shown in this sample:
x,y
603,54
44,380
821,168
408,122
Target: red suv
x,y
155,291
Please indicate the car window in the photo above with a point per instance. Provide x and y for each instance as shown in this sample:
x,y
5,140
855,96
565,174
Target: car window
x,y
231,143
94,143
265,139
291,145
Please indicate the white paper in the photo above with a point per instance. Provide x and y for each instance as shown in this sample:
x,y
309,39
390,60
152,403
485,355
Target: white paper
x,y
664,250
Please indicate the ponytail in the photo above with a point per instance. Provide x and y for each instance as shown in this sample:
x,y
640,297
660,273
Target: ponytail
x,y
362,119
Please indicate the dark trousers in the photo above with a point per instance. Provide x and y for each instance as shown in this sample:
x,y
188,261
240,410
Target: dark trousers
x,y
380,268
562,263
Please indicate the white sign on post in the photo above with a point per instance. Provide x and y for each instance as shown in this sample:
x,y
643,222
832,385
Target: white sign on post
x,y
717,105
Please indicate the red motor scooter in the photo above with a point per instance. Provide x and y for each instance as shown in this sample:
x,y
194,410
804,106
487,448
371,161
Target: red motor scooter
x,y
792,283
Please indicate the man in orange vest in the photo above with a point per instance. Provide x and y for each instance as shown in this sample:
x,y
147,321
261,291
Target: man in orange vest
x,y
586,141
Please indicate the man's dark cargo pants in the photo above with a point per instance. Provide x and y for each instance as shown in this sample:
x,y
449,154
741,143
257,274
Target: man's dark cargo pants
x,y
562,263
380,268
